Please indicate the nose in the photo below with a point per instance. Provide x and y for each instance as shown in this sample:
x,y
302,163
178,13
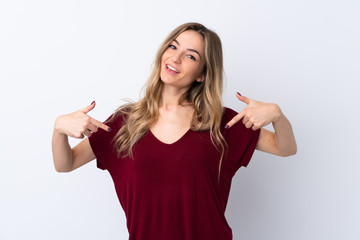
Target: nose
x,y
176,57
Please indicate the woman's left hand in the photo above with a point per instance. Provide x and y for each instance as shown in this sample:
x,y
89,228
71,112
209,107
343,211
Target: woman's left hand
x,y
256,114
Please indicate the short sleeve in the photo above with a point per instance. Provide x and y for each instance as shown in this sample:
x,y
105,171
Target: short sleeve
x,y
102,144
241,141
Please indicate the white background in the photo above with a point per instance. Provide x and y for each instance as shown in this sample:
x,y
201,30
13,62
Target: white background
x,y
59,56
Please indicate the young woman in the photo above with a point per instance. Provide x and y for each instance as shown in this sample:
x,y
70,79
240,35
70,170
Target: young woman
x,y
172,155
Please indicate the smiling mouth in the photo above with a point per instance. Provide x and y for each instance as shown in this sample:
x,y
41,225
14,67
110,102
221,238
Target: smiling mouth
x,y
172,68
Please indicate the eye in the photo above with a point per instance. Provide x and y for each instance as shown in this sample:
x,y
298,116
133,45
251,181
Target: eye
x,y
172,47
191,57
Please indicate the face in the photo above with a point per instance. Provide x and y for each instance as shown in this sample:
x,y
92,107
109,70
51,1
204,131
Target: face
x,y
183,61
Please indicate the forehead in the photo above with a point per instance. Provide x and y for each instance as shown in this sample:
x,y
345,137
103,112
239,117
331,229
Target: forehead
x,y
191,39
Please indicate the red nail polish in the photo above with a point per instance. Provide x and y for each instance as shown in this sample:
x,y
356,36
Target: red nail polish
x,y
92,102
238,93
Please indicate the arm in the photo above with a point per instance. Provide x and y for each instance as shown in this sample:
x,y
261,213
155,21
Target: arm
x,y
281,142
257,115
67,159
76,125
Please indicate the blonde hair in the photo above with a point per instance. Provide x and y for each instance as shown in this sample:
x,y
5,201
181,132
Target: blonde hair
x,y
205,97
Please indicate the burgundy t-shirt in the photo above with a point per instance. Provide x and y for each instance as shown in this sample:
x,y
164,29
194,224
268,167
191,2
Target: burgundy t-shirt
x,y
171,191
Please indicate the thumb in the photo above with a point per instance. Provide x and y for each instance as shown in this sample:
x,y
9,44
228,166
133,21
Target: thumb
x,y
89,108
243,98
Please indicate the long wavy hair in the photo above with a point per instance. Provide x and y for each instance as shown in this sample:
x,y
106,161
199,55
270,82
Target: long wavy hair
x,y
205,97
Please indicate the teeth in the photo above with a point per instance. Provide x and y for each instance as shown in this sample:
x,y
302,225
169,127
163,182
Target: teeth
x,y
170,67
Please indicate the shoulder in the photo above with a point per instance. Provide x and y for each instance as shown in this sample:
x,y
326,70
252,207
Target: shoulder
x,y
228,114
120,115
238,127
116,120
101,137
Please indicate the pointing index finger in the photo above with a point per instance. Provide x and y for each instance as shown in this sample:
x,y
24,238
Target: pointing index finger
x,y
100,125
235,119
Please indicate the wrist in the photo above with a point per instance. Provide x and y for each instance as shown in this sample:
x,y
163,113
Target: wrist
x,y
278,115
57,126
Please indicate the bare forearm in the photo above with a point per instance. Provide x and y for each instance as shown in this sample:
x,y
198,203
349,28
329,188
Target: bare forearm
x,y
62,152
284,136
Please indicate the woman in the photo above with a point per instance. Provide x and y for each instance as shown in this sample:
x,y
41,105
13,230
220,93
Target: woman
x,y
172,155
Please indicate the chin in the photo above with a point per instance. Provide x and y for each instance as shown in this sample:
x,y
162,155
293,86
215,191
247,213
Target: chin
x,y
165,79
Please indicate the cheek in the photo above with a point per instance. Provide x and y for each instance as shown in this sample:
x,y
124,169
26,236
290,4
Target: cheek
x,y
195,70
162,62
165,55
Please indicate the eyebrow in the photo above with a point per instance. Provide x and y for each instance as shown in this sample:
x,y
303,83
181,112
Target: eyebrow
x,y
192,50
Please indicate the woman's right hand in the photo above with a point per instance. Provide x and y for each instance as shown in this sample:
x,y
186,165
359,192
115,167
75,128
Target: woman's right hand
x,y
78,124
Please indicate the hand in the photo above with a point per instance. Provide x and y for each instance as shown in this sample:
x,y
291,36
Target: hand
x,y
256,114
78,124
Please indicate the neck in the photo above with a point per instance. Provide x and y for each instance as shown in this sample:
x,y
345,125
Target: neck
x,y
170,97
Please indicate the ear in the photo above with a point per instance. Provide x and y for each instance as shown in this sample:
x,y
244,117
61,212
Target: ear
x,y
201,78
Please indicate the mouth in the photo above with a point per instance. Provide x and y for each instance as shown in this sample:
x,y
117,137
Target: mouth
x,y
171,68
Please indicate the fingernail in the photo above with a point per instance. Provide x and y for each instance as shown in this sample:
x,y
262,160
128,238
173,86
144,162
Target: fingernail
x,y
109,129
238,93
226,126
92,102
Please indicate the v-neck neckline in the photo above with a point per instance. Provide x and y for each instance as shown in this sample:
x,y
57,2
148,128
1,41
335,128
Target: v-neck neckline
x,y
173,143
